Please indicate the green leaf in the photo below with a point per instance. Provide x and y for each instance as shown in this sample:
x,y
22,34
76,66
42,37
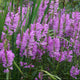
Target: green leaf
x,y
45,12
27,16
1,24
31,15
2,17
54,77
18,67
35,11
65,39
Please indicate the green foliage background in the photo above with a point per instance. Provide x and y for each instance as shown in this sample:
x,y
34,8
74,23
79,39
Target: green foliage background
x,y
71,5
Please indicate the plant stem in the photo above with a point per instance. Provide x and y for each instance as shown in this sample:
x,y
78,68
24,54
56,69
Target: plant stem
x,y
7,76
18,68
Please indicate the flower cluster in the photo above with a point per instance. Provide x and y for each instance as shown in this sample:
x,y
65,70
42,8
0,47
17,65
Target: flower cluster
x,y
12,21
74,71
36,41
7,59
32,40
26,65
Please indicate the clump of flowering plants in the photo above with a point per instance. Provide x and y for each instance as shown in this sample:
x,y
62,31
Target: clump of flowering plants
x,y
40,42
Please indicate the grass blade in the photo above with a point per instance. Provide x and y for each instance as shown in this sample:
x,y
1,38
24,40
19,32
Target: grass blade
x,y
35,11
45,12
49,74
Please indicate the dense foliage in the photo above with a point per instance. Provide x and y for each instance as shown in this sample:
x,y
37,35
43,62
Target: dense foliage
x,y
39,40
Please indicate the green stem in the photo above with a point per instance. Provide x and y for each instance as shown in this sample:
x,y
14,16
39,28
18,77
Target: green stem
x,y
57,67
18,68
7,76
27,17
